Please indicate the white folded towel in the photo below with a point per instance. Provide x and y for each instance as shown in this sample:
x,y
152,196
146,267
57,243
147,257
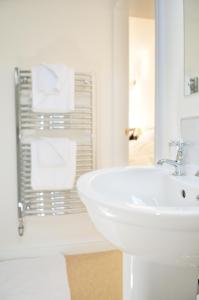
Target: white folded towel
x,y
53,163
43,278
52,88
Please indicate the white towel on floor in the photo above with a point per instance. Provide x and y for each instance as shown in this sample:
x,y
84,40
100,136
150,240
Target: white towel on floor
x,y
53,163
43,278
52,88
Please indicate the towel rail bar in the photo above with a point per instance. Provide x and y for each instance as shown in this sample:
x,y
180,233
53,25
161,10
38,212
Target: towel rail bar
x,y
28,125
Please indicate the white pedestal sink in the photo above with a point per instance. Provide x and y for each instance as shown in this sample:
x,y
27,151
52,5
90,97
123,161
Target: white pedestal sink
x,y
153,217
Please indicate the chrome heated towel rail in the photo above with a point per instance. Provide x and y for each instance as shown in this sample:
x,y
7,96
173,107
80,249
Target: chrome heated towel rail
x,y
78,124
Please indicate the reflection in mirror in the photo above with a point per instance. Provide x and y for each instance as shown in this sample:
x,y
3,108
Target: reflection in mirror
x,y
191,46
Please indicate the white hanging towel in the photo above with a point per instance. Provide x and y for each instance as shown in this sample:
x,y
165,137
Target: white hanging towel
x,y
52,88
43,278
53,163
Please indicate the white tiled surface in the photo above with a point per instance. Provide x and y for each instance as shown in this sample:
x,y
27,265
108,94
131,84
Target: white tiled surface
x,y
190,134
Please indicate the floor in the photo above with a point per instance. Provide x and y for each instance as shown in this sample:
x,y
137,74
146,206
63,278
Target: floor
x,y
95,276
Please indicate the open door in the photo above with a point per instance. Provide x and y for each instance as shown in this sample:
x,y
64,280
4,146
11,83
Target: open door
x,y
134,82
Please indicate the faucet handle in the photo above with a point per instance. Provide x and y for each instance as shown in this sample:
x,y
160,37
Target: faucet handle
x,y
180,149
178,143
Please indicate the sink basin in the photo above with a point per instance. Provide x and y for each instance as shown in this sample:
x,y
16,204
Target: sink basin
x,y
153,217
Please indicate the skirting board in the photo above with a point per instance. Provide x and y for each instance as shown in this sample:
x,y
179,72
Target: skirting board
x,y
73,248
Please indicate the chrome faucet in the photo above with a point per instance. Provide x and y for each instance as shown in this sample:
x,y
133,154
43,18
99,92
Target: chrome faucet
x,y
178,163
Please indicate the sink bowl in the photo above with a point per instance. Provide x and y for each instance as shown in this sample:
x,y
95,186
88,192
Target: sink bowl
x,y
143,210
153,217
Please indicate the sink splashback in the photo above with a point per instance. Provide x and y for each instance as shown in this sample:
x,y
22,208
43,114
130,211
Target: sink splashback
x,y
190,134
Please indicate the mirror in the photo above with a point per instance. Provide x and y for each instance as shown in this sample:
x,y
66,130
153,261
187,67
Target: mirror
x,y
191,46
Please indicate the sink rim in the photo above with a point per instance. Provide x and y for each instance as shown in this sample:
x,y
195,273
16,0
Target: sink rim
x,y
88,194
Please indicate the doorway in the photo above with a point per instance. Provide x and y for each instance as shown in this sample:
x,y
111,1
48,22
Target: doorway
x,y
141,124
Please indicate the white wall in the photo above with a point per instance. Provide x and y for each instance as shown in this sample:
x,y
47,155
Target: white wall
x,y
77,33
168,73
